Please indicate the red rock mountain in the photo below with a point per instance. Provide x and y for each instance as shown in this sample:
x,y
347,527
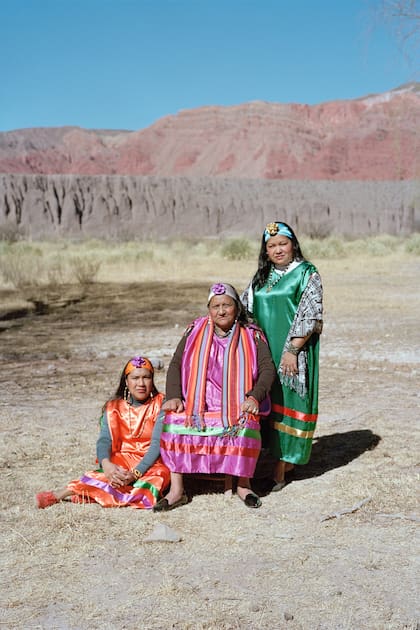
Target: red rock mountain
x,y
371,138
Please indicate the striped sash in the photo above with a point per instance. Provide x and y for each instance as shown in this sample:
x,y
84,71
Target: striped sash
x,y
239,360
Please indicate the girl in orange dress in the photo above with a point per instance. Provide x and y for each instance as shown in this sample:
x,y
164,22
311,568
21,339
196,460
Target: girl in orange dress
x,y
131,472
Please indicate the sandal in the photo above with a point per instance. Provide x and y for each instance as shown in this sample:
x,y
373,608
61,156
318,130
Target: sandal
x,y
45,499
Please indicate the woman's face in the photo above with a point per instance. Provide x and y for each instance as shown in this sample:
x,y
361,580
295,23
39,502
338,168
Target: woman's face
x,y
140,383
223,311
279,250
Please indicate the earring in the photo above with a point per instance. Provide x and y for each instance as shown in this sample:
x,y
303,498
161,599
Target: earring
x,y
126,395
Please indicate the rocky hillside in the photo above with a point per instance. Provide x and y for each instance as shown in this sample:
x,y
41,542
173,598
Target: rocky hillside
x,y
373,138
124,207
344,167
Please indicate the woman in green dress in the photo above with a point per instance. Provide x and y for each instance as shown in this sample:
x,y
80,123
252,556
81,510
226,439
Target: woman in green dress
x,y
285,299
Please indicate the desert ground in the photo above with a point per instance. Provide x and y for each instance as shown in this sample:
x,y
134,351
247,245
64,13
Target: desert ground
x,y
335,549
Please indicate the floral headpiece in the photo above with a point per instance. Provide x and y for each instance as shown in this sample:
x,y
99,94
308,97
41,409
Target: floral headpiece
x,y
138,362
222,289
272,229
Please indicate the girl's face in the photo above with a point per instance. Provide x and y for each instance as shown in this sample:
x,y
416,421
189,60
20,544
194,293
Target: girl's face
x,y
223,311
140,383
279,250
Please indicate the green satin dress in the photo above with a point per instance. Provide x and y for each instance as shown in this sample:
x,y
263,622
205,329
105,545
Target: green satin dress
x,y
294,406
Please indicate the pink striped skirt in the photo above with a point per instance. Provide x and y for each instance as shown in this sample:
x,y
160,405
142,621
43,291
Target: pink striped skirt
x,y
212,449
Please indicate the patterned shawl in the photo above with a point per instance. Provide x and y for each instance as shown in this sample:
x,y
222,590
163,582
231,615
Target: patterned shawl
x,y
239,367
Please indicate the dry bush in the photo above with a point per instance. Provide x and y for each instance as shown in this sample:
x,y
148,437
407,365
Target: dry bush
x,y
331,247
382,245
85,269
237,249
317,230
56,273
21,270
11,233
412,245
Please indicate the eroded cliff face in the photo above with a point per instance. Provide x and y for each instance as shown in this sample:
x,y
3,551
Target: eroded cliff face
x,y
161,207
344,167
375,138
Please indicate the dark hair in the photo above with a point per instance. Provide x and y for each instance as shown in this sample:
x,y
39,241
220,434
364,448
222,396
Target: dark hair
x,y
242,316
122,384
264,263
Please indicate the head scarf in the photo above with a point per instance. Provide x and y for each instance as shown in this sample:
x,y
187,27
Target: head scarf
x,y
222,289
275,229
138,362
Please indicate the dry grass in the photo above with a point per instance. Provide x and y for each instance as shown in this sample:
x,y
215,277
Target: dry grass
x,y
23,263
283,566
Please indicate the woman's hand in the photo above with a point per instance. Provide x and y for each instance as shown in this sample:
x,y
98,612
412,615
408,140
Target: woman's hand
x,y
289,364
250,405
173,404
116,475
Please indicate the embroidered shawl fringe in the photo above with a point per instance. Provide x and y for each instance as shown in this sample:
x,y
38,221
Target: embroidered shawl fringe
x,y
294,383
196,421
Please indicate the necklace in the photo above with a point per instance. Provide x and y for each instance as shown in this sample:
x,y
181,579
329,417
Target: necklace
x,y
222,333
275,276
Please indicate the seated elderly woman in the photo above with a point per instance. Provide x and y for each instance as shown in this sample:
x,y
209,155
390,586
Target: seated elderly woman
x,y
218,378
132,473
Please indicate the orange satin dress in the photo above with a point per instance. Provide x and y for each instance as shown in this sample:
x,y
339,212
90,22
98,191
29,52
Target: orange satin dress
x,y
131,429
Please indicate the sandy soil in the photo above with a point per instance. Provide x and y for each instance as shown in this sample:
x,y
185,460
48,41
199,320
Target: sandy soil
x,y
336,549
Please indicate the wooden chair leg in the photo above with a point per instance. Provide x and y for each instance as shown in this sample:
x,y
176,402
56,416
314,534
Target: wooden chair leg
x,y
228,485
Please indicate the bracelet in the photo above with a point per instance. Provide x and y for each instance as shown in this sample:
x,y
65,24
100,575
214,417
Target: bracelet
x,y
292,349
137,474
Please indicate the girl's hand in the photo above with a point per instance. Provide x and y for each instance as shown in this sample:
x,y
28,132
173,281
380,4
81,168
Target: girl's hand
x,y
116,475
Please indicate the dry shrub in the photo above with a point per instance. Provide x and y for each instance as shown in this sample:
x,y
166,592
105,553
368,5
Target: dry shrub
x,y
412,245
382,245
85,269
318,230
56,273
331,247
237,249
11,233
22,271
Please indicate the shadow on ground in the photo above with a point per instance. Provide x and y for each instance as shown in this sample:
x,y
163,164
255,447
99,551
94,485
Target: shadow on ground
x,y
328,452
336,450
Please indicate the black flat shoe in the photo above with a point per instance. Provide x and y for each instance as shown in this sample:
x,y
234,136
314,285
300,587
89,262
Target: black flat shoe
x,y
252,501
278,485
164,506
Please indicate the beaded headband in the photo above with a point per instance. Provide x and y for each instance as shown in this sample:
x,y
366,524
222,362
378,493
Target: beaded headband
x,y
138,362
274,229
222,289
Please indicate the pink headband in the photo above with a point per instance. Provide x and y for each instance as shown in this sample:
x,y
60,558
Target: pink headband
x,y
138,362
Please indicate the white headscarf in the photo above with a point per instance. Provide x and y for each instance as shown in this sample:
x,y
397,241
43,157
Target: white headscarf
x,y
221,288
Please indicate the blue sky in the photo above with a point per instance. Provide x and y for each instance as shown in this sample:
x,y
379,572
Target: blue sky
x,y
123,64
